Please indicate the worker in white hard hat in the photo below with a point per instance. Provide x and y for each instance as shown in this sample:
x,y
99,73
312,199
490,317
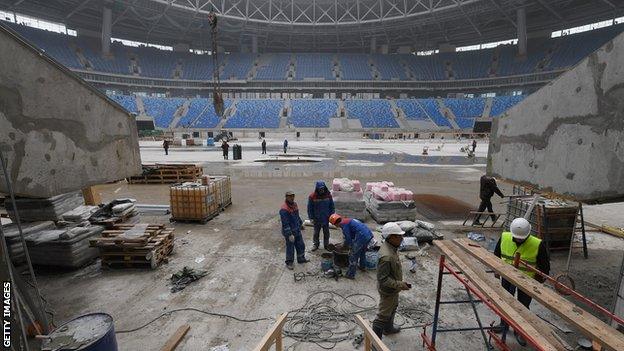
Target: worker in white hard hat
x,y
389,280
532,250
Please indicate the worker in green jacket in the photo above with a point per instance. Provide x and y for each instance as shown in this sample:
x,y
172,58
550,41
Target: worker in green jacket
x,y
532,250
389,280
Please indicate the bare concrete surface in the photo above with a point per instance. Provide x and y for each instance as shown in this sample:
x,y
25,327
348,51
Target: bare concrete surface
x,y
567,137
58,133
243,251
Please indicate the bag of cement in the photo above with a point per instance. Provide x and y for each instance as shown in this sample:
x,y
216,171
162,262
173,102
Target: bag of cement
x,y
425,225
423,235
117,209
406,226
409,244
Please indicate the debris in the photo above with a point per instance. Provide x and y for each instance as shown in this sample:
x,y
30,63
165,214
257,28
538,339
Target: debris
x,y
79,214
200,259
184,277
223,347
107,215
476,236
175,339
409,244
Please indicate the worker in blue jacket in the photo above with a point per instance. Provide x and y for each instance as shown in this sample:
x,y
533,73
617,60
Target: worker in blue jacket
x,y
320,207
292,225
357,236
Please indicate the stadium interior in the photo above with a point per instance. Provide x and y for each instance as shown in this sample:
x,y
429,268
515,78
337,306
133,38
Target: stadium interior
x,y
117,116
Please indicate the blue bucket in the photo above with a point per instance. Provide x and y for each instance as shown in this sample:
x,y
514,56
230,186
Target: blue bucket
x,y
90,332
372,259
210,142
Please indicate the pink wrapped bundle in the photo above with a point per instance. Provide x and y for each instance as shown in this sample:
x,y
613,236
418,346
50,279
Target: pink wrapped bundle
x,y
369,186
395,195
357,186
384,188
336,185
409,196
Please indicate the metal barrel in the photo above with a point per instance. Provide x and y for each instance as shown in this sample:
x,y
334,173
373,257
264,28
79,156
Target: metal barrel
x,y
89,332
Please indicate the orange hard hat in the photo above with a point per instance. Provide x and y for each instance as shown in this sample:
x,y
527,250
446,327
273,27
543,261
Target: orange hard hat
x,y
335,219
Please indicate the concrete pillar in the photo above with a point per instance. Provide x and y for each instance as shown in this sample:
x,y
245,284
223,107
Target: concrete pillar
x,y
373,45
522,31
107,26
254,44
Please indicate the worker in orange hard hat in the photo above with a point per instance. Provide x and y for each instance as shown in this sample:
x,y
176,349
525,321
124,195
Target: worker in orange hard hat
x,y
357,236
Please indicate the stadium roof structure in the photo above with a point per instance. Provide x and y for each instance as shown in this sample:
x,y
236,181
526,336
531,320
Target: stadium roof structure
x,y
320,25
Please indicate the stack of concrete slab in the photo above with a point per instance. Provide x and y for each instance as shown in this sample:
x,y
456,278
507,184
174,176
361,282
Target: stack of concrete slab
x,y
79,214
14,243
45,209
67,247
349,198
388,203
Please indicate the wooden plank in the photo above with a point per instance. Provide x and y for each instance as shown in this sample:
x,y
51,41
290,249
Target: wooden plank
x,y
91,196
370,334
591,326
502,299
175,339
271,335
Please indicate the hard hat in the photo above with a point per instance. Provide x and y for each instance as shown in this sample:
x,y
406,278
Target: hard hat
x,y
391,228
335,219
290,193
520,228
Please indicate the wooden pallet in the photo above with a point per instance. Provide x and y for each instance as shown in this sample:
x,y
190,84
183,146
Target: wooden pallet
x,y
167,174
147,250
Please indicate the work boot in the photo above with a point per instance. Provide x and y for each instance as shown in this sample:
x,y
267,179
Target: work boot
x,y
389,327
475,223
305,260
520,339
314,248
290,266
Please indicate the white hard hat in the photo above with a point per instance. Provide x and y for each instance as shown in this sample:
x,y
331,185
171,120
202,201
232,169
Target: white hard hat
x,y
520,228
391,228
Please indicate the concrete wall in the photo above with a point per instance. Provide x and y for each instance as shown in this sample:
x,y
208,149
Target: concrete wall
x,y
568,137
58,133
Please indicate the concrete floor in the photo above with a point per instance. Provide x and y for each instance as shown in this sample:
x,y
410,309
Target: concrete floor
x,y
243,252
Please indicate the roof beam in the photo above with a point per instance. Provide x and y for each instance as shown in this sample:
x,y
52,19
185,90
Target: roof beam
x,y
77,9
608,2
550,9
502,11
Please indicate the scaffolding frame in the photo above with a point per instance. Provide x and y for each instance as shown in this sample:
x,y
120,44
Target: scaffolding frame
x,y
429,342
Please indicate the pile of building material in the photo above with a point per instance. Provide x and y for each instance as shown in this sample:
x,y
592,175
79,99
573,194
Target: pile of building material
x,y
116,211
141,245
67,247
551,219
387,203
194,202
46,209
79,214
349,198
161,173
14,242
223,189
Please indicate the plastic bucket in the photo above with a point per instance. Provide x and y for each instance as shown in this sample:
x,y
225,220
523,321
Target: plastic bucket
x,y
90,332
372,259
327,261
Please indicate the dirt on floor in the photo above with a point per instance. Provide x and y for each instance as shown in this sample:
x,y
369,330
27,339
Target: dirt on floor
x,y
242,252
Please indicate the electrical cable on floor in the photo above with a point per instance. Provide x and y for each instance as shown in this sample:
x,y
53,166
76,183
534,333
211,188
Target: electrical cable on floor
x,y
191,309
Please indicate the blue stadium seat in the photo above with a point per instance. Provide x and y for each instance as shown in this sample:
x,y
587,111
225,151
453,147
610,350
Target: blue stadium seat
x,y
375,113
256,114
355,67
162,109
237,66
433,110
273,67
466,108
128,102
412,109
314,66
390,68
503,103
312,113
201,114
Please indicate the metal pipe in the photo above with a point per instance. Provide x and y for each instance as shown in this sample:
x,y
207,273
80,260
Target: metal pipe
x,y
436,313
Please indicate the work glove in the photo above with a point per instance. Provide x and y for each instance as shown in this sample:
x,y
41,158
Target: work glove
x,y
291,238
406,286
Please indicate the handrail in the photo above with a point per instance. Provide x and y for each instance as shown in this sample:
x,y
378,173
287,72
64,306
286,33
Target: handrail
x,y
370,338
273,336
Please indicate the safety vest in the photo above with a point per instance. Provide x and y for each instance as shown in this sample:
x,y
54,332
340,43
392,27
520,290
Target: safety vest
x,y
528,251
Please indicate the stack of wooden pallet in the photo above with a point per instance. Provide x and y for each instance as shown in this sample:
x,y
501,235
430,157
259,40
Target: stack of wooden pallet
x,y
140,245
161,173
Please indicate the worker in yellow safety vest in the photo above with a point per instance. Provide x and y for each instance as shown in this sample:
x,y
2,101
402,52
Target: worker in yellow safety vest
x,y
531,250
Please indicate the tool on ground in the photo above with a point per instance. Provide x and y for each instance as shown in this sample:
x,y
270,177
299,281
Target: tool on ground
x,y
564,278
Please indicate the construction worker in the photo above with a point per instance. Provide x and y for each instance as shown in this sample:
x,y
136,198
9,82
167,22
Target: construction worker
x,y
531,250
487,189
285,145
166,146
225,146
389,280
292,225
263,146
357,236
320,207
